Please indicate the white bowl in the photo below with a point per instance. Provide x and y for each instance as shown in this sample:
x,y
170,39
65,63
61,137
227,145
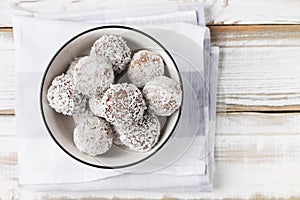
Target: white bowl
x,y
61,127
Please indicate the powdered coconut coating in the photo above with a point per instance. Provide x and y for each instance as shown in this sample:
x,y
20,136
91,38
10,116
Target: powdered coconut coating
x,y
115,49
142,136
95,105
163,95
63,97
116,132
93,75
93,136
144,66
71,69
123,104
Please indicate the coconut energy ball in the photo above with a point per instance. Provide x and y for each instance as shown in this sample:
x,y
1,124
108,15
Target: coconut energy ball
x,y
142,136
115,49
144,66
123,104
93,136
93,75
163,95
63,97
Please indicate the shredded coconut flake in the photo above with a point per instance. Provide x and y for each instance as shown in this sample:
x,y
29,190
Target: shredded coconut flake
x,y
63,97
93,136
123,104
115,49
144,66
163,95
143,135
93,75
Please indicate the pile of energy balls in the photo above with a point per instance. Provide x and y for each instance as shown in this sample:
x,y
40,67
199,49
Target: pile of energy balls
x,y
107,112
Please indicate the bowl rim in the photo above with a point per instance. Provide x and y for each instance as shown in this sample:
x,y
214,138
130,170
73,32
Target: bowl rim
x,y
46,72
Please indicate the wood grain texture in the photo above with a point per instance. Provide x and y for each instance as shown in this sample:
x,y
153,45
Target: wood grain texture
x,y
259,78
7,71
258,71
7,125
217,11
258,150
258,124
8,167
259,12
258,68
258,138
255,36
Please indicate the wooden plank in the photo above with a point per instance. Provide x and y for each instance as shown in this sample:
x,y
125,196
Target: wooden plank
x,y
252,77
7,71
258,124
8,167
256,181
245,82
258,138
259,78
217,11
7,112
258,12
7,125
7,79
256,36
258,149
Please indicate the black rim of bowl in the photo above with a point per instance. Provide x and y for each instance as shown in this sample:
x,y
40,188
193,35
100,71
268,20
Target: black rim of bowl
x,y
42,86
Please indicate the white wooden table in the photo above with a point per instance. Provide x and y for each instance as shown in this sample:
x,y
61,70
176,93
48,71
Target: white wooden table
x,y
258,147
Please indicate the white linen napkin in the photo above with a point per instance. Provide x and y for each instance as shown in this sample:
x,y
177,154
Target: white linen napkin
x,y
136,14
40,160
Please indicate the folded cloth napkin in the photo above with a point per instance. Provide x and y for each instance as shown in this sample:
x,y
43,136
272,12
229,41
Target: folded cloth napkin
x,y
42,162
138,14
